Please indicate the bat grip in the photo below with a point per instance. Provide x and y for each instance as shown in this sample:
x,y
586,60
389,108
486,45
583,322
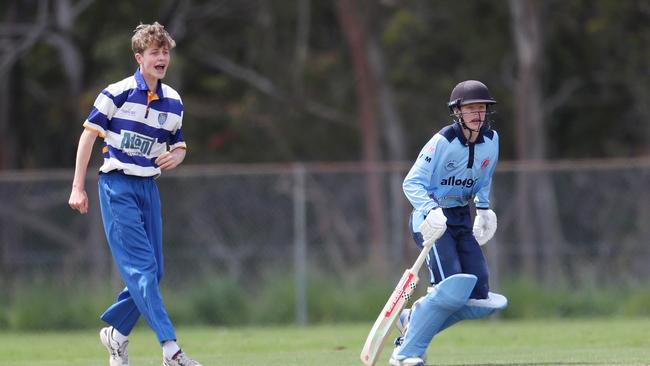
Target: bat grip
x,y
423,255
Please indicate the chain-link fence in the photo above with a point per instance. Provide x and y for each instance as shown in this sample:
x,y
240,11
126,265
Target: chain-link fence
x,y
558,221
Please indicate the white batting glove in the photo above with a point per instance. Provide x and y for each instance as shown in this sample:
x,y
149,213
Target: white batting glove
x,y
434,225
485,225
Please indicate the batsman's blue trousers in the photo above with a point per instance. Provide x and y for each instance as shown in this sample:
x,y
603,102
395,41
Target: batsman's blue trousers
x,y
457,251
132,218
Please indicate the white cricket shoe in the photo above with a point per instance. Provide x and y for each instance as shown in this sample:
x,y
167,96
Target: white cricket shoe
x,y
410,361
118,353
180,359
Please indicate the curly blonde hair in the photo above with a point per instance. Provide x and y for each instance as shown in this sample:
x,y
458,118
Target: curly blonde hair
x,y
147,35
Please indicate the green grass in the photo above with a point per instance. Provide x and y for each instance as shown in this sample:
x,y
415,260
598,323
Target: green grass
x,y
540,342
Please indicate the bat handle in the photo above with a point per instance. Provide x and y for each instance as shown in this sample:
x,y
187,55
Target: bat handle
x,y
423,255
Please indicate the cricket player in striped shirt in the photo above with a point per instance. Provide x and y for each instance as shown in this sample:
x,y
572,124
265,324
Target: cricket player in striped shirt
x,y
140,120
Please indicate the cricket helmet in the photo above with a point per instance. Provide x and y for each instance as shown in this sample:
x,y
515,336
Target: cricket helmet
x,y
469,92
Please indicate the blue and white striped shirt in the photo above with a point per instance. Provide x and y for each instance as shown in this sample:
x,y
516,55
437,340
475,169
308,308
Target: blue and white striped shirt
x,y
450,172
137,125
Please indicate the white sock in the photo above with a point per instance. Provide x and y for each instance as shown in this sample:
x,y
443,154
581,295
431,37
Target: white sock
x,y
117,336
170,348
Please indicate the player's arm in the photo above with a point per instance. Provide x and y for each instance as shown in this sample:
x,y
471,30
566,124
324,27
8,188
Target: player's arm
x,y
171,159
418,179
416,185
485,222
482,199
78,196
177,147
95,125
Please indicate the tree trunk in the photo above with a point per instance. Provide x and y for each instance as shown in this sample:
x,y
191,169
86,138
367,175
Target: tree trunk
x,y
526,35
540,231
393,135
354,30
302,45
8,148
8,154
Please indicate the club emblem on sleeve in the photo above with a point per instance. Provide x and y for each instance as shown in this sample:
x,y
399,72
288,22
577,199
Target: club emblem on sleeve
x,y
162,118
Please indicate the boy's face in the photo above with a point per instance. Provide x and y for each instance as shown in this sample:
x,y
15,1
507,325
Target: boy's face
x,y
473,115
153,62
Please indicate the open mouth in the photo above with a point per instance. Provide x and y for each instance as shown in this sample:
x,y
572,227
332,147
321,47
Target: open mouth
x,y
160,67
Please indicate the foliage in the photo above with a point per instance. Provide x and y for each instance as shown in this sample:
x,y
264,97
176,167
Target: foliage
x,y
594,72
47,306
220,301
210,302
529,299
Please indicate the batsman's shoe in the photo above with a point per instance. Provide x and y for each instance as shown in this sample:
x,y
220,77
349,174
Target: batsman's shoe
x,y
118,353
180,359
411,361
408,361
398,342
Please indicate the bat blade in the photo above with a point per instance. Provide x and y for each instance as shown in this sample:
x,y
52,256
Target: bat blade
x,y
386,319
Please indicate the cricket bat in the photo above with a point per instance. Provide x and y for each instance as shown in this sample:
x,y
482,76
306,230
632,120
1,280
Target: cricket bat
x,y
396,303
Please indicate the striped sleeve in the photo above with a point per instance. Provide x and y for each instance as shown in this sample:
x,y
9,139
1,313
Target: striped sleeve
x,y
176,139
102,112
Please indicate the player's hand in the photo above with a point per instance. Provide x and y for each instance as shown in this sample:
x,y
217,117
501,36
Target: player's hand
x,y
79,200
434,225
170,159
485,225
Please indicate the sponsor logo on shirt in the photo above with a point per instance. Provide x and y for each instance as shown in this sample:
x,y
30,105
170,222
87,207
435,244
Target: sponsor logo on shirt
x,y
126,111
134,144
453,181
426,158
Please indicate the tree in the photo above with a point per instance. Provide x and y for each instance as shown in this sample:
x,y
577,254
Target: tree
x,y
355,31
538,222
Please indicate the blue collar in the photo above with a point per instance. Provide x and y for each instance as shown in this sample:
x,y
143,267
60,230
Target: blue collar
x,y
142,84
461,136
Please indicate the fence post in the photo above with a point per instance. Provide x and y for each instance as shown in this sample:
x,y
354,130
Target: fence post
x,y
398,221
300,243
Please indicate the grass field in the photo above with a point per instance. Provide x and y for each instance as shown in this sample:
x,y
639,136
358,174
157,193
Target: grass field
x,y
542,342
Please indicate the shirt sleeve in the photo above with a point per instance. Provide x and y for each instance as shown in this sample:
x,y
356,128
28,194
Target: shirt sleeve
x,y
482,199
176,138
418,180
103,110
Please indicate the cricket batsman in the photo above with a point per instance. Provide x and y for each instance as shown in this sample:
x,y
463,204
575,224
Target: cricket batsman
x,y
453,168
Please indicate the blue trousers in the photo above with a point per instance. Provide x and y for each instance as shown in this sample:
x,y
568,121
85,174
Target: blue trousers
x,y
457,251
133,224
